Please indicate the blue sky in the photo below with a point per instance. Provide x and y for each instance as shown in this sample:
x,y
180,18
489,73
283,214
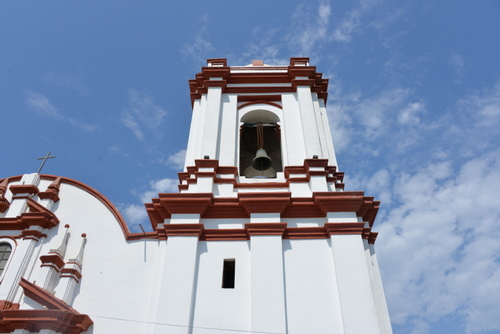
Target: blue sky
x,y
414,106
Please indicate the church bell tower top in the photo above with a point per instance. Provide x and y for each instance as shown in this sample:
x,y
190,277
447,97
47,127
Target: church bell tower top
x,y
259,118
269,78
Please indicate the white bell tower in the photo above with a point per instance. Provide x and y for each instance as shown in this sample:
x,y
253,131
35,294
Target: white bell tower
x,y
262,237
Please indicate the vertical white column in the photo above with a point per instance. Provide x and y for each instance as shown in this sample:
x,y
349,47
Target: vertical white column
x,y
195,133
154,314
211,128
174,296
268,307
332,159
353,282
309,125
48,331
294,150
378,289
230,131
21,331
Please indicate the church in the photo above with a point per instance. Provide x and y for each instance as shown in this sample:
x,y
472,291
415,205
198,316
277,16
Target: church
x,y
260,238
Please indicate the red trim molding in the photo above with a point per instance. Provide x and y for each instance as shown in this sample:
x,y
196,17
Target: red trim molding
x,y
52,192
17,189
4,203
267,75
58,316
252,229
255,229
172,230
309,169
53,260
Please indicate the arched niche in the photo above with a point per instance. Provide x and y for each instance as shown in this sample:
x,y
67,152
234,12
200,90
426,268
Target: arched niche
x,y
249,143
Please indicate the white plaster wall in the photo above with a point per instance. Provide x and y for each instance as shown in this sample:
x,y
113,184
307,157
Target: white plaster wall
x,y
115,272
228,154
312,300
216,307
294,146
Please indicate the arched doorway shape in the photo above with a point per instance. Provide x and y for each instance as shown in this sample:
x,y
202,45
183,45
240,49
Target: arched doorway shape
x,y
249,144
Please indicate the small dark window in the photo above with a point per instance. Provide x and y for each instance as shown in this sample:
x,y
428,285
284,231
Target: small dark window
x,y
228,274
5,250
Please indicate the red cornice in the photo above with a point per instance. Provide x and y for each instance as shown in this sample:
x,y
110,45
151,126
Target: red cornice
x,y
225,78
326,231
330,172
262,202
17,189
255,229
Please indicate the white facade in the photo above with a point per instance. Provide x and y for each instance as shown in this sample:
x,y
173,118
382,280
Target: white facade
x,y
230,253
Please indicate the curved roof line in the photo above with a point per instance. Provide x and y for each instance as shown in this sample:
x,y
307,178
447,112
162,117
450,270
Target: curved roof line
x,y
111,207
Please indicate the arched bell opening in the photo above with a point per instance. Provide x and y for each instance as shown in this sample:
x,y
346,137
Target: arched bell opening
x,y
260,145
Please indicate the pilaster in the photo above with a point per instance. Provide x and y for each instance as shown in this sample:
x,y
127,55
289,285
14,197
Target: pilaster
x,y
211,139
175,295
356,299
309,125
268,309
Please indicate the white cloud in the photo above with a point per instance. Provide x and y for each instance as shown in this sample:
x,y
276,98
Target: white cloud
x,y
136,214
439,246
176,160
409,114
142,114
42,105
391,113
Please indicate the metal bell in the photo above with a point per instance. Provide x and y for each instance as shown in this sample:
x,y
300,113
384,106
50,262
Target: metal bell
x,y
261,160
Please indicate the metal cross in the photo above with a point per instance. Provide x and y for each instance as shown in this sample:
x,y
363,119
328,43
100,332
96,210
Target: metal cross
x,y
44,160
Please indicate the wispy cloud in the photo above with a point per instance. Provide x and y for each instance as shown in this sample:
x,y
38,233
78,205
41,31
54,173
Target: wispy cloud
x,y
142,115
42,105
347,27
310,28
200,48
176,160
265,46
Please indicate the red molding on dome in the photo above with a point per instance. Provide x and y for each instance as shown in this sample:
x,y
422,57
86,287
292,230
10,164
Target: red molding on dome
x,y
17,189
58,316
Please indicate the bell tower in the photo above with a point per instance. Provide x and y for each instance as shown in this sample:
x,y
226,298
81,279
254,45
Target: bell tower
x,y
262,236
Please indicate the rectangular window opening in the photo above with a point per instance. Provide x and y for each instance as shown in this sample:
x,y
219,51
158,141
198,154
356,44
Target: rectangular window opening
x,y
228,274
